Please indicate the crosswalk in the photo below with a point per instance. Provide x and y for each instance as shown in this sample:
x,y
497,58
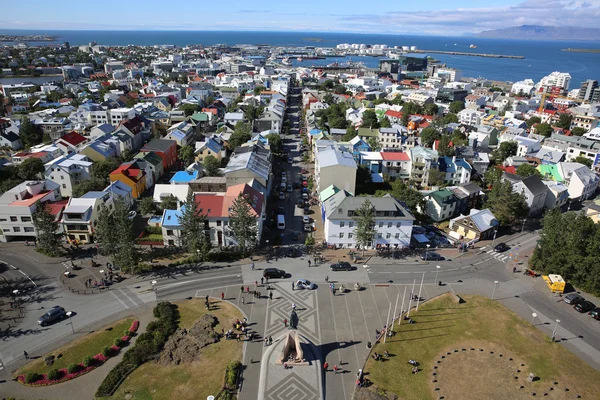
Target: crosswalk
x,y
502,257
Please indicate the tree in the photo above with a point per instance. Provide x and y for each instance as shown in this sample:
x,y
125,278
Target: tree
x,y
275,143
374,144
450,119
194,233
405,119
507,206
583,160
147,206
90,185
532,121
431,109
126,156
350,134
190,109
29,133
526,170
456,107
31,169
436,177
492,176
412,108
445,148
459,138
211,165
385,123
328,99
116,236
102,169
544,129
413,198
258,89
252,113
340,89
505,150
369,120
564,121
46,225
241,134
186,153
507,107
364,217
577,131
242,222
429,136
169,203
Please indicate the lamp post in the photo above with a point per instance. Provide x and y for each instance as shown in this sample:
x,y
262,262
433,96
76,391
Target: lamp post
x,y
437,269
533,315
427,251
494,239
153,283
555,328
494,291
523,227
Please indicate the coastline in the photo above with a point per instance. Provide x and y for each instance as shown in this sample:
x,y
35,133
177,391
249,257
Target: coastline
x,y
572,50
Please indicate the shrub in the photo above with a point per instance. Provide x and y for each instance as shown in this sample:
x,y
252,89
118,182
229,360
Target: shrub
x,y
106,351
134,326
88,360
73,368
32,377
119,342
53,375
127,333
231,373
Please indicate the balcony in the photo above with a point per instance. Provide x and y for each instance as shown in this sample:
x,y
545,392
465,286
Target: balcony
x,y
418,164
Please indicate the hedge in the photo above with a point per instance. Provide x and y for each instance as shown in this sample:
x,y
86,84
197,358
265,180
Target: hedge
x,y
147,345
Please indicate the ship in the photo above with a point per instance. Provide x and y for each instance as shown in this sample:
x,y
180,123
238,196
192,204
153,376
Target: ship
x,y
473,46
299,59
286,61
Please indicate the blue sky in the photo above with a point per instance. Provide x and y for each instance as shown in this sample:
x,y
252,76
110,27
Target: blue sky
x,y
428,17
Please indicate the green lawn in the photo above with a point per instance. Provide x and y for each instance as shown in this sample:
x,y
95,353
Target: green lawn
x,y
442,325
196,380
75,352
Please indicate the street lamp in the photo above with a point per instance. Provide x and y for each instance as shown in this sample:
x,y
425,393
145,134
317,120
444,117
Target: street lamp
x,y
153,283
533,315
427,251
523,228
437,269
555,328
494,291
494,239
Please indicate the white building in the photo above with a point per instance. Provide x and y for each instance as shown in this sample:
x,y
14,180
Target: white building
x,y
558,79
119,114
81,214
68,171
470,117
580,180
335,167
393,222
525,87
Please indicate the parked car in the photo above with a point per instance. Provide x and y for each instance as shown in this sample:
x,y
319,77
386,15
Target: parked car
x,y
306,219
500,247
282,186
584,306
304,196
305,284
306,210
289,188
281,196
595,314
573,298
341,266
290,160
431,256
273,273
300,203
308,228
284,179
280,210
57,313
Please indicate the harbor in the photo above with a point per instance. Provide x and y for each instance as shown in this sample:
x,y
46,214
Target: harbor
x,y
464,53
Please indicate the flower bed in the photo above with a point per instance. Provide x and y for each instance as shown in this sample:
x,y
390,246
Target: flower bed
x,y
98,360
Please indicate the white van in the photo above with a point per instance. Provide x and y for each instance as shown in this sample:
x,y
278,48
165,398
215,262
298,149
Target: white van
x,y
280,222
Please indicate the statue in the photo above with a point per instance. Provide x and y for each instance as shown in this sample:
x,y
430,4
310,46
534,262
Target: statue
x,y
293,320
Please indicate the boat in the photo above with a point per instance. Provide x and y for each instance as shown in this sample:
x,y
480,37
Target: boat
x,y
286,61
299,59
473,46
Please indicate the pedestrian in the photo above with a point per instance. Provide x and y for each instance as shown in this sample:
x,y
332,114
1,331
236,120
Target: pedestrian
x,y
237,337
242,290
325,366
336,369
252,266
308,263
26,355
262,281
294,306
243,302
247,289
222,296
256,283
271,295
270,340
207,298
285,322
86,284
293,286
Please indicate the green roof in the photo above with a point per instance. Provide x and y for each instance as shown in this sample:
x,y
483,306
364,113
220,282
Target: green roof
x,y
442,196
368,132
200,117
550,171
328,192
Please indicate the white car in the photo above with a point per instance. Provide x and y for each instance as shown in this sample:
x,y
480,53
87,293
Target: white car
x,y
305,284
306,219
308,228
304,196
283,173
282,186
281,196
131,214
283,179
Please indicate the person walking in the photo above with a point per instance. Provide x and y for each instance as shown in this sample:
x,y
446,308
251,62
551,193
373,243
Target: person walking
x,y
222,296
271,295
206,299
242,289
252,266
247,289
308,263
26,355
325,366
243,302
336,369
262,281
293,286
285,322
294,306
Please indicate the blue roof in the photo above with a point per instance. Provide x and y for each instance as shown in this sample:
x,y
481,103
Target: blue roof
x,y
94,195
170,218
315,131
184,176
462,163
177,134
213,146
446,164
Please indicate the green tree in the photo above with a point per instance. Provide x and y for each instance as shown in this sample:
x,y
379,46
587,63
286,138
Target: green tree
x,y
31,169
242,223
429,136
450,119
492,176
116,236
194,227
507,107
532,121
431,109
456,107
445,149
252,113
505,150
126,156
412,108
90,185
507,206
46,225
436,177
369,119
102,169
583,160
186,153
146,206
340,89
275,143
544,129
526,170
413,198
364,218
405,119
564,121
459,138
190,109
328,99
169,203
350,134
241,134
258,89
385,123
29,133
374,144
577,131
211,165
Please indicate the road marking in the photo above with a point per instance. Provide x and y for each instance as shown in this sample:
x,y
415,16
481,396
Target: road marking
x,y
130,299
118,298
197,280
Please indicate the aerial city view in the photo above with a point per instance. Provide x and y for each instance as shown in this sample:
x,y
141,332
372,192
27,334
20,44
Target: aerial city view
x,y
304,201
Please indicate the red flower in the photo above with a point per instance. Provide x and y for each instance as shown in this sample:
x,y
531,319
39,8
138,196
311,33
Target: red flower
x,y
134,326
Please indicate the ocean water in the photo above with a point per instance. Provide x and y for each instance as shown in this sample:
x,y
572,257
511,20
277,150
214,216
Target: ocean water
x,y
541,58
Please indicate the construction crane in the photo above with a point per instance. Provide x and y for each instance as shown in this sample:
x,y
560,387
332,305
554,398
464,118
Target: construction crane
x,y
555,96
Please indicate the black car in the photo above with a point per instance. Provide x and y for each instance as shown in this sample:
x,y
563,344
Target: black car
x,y
341,266
573,298
431,256
500,247
55,314
273,273
280,210
584,306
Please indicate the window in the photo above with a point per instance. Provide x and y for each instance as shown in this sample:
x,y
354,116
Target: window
x,y
381,224
13,219
342,224
64,186
62,177
398,224
340,211
350,235
16,229
389,224
169,232
397,236
25,219
351,224
218,223
379,235
388,235
341,235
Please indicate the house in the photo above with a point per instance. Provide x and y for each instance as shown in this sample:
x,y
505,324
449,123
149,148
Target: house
x,y
209,184
393,221
120,190
182,133
21,156
18,205
155,164
247,164
474,102
419,98
593,212
422,160
457,170
101,149
81,215
166,149
183,177
396,164
390,138
470,117
9,136
71,142
533,189
468,196
556,196
53,127
358,147
580,180
131,175
212,146
478,225
233,118
67,171
549,156
138,128
162,191
335,167
440,205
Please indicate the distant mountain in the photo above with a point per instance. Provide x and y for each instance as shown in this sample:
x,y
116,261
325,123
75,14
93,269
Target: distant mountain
x,y
537,32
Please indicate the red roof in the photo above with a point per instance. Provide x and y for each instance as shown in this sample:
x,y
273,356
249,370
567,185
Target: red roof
x,y
210,110
510,169
105,83
394,156
254,197
130,170
392,113
56,207
39,154
73,138
210,205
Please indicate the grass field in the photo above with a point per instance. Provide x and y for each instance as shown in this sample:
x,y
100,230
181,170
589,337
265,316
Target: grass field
x,y
443,326
75,352
197,380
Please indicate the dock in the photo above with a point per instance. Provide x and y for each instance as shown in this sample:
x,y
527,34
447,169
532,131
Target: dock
x,y
581,50
465,53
